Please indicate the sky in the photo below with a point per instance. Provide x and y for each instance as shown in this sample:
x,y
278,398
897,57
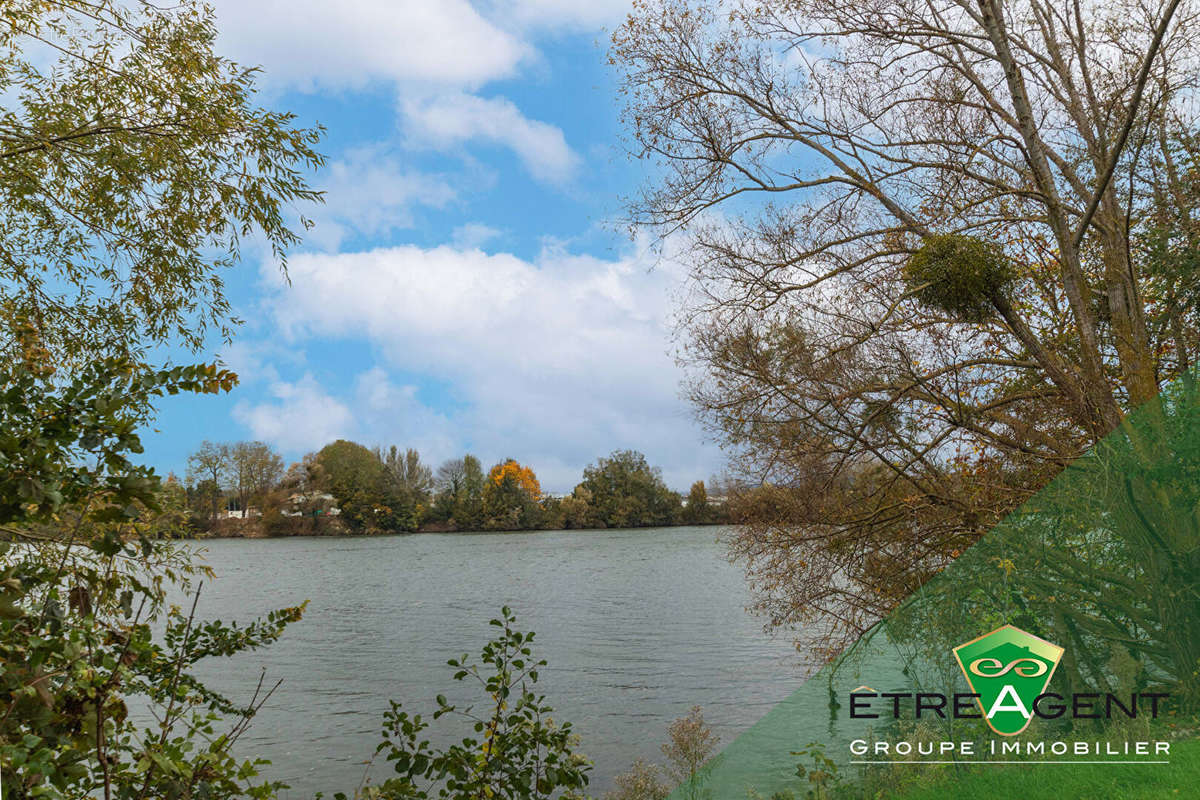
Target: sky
x,y
468,285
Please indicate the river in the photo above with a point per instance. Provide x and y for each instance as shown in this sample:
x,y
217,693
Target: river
x,y
637,626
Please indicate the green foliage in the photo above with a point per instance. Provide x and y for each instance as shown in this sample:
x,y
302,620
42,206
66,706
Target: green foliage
x,y
356,478
822,775
689,751
510,498
80,594
469,511
78,649
697,510
66,444
375,491
960,275
131,169
514,751
626,492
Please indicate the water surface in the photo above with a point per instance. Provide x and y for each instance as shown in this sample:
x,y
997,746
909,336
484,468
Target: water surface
x,y
638,626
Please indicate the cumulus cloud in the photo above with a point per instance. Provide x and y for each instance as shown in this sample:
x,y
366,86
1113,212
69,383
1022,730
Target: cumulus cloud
x,y
558,360
301,417
309,44
440,51
448,120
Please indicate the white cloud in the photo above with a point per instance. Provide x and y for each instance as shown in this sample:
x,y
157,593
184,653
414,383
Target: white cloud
x,y
304,416
394,414
435,51
556,15
472,235
315,43
451,119
557,361
370,192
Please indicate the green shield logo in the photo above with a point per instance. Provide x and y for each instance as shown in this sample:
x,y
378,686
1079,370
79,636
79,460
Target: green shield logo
x,y
1008,668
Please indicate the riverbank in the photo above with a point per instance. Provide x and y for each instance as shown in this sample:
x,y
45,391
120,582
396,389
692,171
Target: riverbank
x,y
256,528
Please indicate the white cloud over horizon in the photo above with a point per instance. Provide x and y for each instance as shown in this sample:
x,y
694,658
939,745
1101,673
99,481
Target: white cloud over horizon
x,y
555,359
558,360
301,413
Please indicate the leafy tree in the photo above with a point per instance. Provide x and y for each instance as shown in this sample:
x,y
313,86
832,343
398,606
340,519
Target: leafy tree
x,y
79,596
132,165
415,478
576,508
510,497
520,476
358,480
626,492
697,511
470,513
411,483
204,498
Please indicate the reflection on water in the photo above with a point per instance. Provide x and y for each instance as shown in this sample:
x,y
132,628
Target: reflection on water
x,y
638,626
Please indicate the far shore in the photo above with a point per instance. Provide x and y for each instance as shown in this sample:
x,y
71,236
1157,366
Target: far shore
x,y
253,529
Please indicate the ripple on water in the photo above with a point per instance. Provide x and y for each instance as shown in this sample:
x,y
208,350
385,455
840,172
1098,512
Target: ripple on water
x,y
638,626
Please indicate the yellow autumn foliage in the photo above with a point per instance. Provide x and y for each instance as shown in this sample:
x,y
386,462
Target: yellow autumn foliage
x,y
523,476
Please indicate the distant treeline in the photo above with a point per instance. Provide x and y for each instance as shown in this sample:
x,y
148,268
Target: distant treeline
x,y
348,488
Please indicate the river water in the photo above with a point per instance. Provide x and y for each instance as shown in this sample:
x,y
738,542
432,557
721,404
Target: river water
x,y
637,626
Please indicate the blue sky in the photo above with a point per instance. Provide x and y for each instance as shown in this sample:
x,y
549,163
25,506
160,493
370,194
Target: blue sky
x,y
468,286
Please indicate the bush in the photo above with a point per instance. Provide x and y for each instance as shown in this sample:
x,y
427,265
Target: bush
x,y
518,752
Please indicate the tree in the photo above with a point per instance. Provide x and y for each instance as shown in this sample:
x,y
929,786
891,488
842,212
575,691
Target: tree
x,y
411,478
576,508
449,485
451,477
80,596
510,497
916,244
697,511
469,514
209,470
256,470
133,164
359,482
626,492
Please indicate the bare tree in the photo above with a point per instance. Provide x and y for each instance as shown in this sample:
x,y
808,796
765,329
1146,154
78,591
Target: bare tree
x,y
210,466
916,230
450,477
257,469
